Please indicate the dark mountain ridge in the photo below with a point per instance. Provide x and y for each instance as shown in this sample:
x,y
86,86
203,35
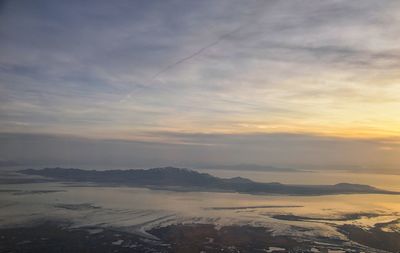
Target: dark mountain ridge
x,y
190,180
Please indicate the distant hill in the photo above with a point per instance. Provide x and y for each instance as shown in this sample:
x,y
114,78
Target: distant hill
x,y
251,167
188,180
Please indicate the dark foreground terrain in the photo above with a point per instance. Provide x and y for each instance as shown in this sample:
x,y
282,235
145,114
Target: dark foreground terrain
x,y
376,237
60,237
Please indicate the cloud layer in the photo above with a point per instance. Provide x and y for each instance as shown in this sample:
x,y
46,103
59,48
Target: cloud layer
x,y
135,69
199,150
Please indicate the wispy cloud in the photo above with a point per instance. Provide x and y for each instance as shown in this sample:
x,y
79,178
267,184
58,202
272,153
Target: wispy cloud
x,y
120,69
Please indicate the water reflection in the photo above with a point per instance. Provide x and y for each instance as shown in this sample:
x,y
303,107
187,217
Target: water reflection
x,y
138,209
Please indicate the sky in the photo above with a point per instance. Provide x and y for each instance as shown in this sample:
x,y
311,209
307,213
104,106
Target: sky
x,y
142,83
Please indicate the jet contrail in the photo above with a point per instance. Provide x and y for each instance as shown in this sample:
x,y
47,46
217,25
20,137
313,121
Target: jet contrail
x,y
198,52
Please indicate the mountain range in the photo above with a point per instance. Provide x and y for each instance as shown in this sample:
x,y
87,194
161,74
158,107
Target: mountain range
x,y
179,179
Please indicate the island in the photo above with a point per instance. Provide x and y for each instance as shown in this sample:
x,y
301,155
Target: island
x,y
181,179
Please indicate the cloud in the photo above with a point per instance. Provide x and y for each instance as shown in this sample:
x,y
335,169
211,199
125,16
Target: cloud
x,y
301,66
283,149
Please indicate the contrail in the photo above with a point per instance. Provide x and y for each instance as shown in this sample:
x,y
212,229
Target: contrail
x,y
198,52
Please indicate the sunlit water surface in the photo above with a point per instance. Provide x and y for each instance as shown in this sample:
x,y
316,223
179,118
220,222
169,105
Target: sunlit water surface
x,y
138,209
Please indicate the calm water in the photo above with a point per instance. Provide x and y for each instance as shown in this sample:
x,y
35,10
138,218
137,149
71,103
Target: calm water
x,y
136,209
385,181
